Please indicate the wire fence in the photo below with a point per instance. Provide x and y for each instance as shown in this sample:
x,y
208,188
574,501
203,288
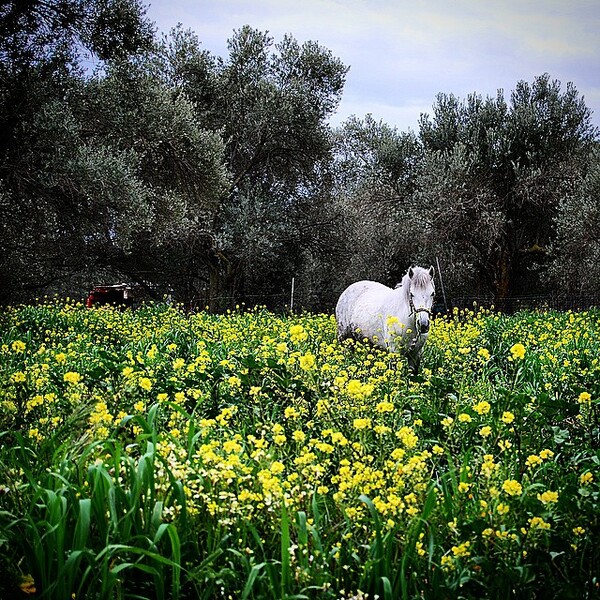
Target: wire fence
x,y
224,303
285,302
573,302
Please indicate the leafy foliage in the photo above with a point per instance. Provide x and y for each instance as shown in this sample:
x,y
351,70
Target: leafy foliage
x,y
577,246
517,161
270,101
158,454
218,179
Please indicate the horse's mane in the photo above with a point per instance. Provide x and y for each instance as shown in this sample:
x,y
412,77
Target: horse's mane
x,y
421,276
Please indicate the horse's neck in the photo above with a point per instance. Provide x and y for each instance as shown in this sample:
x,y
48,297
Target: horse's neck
x,y
402,302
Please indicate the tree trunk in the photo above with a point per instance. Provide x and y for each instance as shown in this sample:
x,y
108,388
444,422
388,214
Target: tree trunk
x,y
502,283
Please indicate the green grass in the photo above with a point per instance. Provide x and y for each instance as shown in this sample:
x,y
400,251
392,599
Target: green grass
x,y
154,454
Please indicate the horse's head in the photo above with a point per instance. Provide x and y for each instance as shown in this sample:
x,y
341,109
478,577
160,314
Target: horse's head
x,y
421,293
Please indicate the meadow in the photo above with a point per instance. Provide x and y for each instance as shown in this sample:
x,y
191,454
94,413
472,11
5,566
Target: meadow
x,y
158,454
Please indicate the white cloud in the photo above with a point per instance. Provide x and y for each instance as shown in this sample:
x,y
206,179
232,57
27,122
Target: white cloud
x,y
401,53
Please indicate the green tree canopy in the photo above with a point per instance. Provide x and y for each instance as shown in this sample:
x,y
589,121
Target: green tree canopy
x,y
221,177
104,174
270,102
576,249
518,159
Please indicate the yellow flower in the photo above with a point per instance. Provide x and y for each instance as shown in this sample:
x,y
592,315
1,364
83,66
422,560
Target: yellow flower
x,y
307,361
447,421
548,497
391,320
297,333
517,351
461,550
407,436
503,508
507,417
178,363
512,487
353,387
464,418
72,377
381,429
398,454
291,413
18,377
362,423
232,447
18,346
234,382
484,353
586,478
584,397
482,408
298,436
146,383
538,523
338,438
277,467
384,407
34,433
225,415
27,584
533,460
485,431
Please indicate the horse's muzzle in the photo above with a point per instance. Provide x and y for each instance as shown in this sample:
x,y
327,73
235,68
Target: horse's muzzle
x,y
422,320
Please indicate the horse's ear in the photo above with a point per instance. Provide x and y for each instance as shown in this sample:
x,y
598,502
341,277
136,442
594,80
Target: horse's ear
x,y
431,272
410,272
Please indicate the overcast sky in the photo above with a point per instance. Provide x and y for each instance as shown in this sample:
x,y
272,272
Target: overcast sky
x,y
401,53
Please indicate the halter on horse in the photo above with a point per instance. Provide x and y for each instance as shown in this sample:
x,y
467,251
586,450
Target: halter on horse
x,y
395,319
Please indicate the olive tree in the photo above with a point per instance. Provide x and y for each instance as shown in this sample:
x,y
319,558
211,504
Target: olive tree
x,y
270,101
104,175
519,159
576,249
375,168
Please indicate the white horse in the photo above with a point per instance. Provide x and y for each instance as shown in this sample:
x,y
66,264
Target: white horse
x,y
395,319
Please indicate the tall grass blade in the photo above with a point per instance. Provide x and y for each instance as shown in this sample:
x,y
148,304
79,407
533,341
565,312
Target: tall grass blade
x,y
256,569
286,575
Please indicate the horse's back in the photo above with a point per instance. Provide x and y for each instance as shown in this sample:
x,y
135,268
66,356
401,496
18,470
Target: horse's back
x,y
352,303
359,289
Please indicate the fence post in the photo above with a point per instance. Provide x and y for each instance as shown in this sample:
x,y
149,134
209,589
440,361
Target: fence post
x,y
442,282
292,295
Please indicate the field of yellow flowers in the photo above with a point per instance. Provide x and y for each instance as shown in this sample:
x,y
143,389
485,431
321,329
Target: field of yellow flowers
x,y
158,454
